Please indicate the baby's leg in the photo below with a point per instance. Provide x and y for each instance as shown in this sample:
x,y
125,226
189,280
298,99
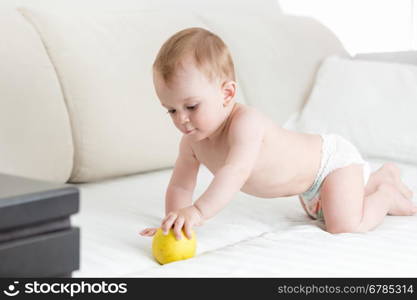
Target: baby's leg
x,y
387,173
347,209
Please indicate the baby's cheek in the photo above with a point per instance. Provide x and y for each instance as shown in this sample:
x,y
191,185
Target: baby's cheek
x,y
177,126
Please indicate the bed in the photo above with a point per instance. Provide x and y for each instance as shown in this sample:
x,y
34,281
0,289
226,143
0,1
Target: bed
x,y
252,237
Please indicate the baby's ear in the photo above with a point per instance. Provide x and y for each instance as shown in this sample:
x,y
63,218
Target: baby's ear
x,y
229,91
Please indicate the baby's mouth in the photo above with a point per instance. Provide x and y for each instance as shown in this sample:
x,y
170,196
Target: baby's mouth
x,y
189,131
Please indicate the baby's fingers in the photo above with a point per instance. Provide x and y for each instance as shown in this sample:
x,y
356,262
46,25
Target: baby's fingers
x,y
168,222
178,227
188,229
144,232
148,232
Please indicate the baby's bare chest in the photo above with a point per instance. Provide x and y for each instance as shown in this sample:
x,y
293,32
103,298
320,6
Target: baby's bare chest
x,y
212,156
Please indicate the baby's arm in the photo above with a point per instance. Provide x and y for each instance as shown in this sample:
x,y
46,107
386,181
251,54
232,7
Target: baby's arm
x,y
181,186
245,139
183,180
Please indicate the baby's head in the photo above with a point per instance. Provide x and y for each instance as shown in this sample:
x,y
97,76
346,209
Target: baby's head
x,y
194,79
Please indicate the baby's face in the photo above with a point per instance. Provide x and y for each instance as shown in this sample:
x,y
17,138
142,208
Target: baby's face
x,y
194,103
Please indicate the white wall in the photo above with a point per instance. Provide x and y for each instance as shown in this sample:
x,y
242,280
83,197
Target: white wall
x,y
363,25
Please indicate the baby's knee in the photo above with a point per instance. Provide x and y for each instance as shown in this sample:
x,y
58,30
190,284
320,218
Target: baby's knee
x,y
346,227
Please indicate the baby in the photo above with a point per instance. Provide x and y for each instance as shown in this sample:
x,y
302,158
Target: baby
x,y
195,81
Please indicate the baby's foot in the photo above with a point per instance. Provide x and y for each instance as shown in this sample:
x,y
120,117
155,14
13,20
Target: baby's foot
x,y
400,205
396,180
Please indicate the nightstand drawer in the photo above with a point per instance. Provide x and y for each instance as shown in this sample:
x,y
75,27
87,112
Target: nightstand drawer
x,y
47,255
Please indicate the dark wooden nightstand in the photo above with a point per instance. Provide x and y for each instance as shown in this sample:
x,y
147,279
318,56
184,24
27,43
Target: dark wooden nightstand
x,y
36,236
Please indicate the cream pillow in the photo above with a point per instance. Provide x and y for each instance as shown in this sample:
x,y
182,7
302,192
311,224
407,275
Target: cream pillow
x,y
35,131
104,63
373,104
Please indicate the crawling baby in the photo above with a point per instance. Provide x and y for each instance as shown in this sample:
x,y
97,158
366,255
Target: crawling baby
x,y
195,81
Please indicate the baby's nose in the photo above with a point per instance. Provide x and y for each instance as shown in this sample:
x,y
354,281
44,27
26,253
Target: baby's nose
x,y
184,119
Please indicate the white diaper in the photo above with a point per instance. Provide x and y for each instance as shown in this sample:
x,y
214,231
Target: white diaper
x,y
336,153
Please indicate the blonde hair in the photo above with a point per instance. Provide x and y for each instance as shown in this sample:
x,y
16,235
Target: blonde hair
x,y
210,53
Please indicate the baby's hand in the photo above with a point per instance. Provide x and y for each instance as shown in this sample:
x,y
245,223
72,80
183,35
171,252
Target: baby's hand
x,y
148,232
186,217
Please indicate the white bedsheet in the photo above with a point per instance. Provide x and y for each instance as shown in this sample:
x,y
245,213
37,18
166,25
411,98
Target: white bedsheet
x,y
252,237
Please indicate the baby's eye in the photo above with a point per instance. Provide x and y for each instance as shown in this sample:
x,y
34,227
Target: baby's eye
x,y
192,107
171,111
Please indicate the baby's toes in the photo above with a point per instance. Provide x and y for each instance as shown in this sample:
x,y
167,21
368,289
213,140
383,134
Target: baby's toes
x,y
410,209
402,207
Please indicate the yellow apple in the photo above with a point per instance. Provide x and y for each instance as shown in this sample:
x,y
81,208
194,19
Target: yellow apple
x,y
166,248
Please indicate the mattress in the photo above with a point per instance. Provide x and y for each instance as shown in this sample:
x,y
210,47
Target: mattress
x,y
251,237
